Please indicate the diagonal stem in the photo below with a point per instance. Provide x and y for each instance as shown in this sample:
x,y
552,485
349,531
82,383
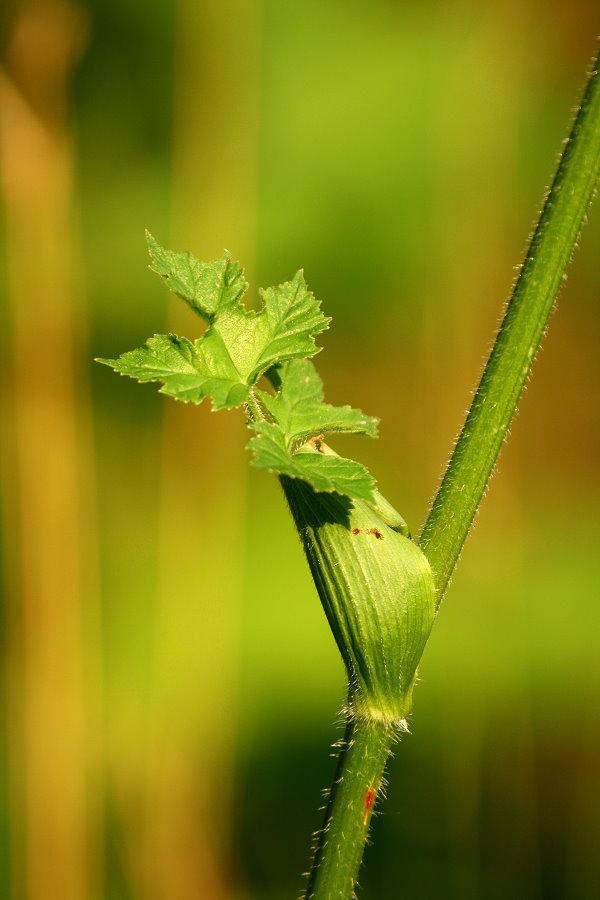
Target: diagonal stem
x,y
367,745
478,446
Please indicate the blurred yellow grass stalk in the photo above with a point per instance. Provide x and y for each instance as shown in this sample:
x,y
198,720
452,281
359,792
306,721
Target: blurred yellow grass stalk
x,y
45,453
203,488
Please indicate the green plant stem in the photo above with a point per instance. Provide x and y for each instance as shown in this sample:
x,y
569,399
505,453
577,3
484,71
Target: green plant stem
x,y
367,745
509,364
358,780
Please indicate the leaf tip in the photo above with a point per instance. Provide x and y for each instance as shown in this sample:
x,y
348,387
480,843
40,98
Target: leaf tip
x,y
151,241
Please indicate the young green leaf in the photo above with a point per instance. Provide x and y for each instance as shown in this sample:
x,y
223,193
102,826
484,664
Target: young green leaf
x,y
206,286
238,346
297,412
188,371
321,468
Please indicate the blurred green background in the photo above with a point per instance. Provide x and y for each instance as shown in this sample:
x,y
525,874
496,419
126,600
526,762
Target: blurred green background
x,y
169,687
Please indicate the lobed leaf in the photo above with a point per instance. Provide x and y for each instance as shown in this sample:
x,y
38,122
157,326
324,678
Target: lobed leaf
x,y
238,346
299,410
324,471
188,371
206,286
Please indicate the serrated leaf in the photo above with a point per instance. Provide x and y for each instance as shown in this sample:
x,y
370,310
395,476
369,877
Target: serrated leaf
x,y
291,316
188,371
238,346
324,471
299,410
205,286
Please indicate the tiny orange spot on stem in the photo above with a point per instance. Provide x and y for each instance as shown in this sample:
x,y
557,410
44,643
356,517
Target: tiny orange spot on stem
x,y
356,531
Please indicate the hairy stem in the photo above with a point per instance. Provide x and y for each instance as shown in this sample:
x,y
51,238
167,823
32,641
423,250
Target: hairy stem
x,y
367,744
509,364
358,779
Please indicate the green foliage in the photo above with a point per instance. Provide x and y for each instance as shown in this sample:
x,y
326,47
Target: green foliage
x,y
375,584
238,346
324,470
296,412
208,287
236,349
298,409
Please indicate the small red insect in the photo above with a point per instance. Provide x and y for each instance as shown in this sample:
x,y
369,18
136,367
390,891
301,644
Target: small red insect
x,y
376,532
369,801
317,442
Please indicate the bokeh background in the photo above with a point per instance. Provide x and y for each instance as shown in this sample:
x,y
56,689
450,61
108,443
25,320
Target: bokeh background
x,y
169,688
